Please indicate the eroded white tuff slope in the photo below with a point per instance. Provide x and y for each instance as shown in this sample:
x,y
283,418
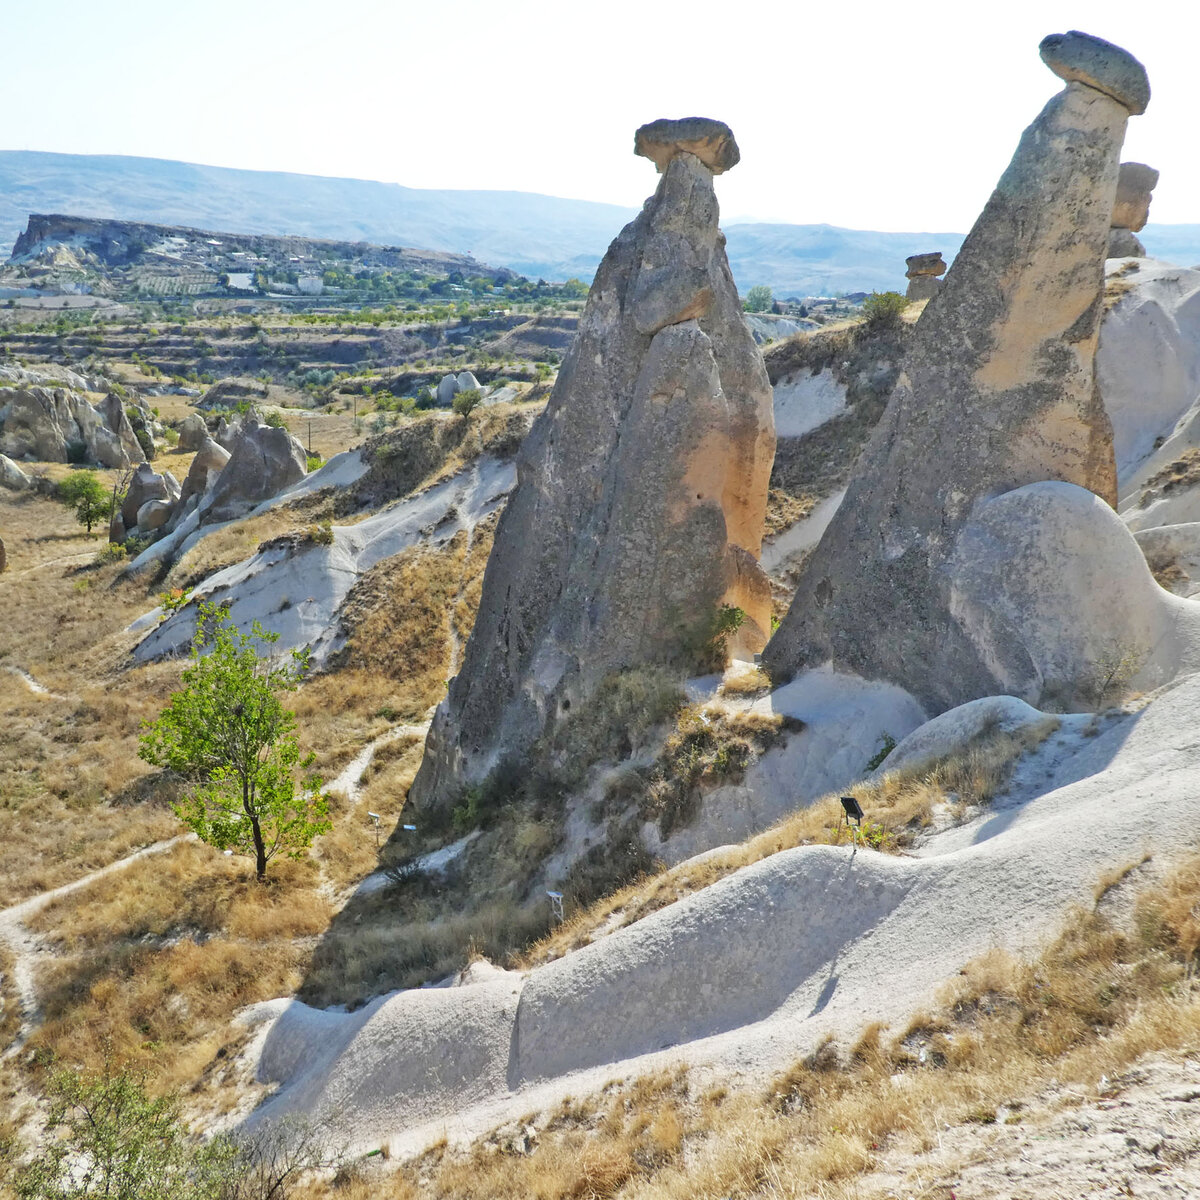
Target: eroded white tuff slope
x,y
751,971
296,587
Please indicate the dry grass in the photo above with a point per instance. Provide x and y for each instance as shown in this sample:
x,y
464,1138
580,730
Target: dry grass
x,y
1184,472
898,805
784,510
1097,999
153,960
747,684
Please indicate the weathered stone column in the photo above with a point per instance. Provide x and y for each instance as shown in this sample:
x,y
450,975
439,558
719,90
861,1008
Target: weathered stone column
x,y
997,392
641,494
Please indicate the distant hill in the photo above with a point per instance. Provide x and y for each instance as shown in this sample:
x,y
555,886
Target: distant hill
x,y
532,234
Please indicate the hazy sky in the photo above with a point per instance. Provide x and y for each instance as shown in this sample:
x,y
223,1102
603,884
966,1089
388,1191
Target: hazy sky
x,y
894,116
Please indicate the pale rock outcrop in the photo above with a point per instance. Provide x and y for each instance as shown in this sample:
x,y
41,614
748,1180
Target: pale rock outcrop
x,y
466,381
11,476
1131,211
447,389
229,429
641,492
208,464
45,424
146,485
112,411
1056,597
998,391
153,515
1148,360
922,275
193,433
263,460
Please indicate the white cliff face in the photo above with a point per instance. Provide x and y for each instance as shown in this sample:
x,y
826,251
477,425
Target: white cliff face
x,y
1148,360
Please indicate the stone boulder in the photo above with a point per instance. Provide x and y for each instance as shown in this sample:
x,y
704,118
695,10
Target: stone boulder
x,y
710,141
146,485
153,515
998,391
447,389
922,274
263,461
193,433
11,476
1055,595
112,411
641,494
229,429
208,464
466,381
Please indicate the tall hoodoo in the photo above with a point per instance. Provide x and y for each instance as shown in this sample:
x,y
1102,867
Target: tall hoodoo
x,y
641,494
998,391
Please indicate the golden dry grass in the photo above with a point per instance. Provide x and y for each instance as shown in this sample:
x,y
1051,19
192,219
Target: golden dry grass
x,y
1097,999
152,961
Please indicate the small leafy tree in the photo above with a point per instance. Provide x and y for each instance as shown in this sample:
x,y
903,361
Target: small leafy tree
x,y
758,299
114,1140
83,492
229,734
464,402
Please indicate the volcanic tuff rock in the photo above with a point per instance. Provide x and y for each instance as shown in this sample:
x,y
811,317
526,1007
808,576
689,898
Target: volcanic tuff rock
x,y
263,461
998,391
641,493
1135,185
40,419
922,274
11,476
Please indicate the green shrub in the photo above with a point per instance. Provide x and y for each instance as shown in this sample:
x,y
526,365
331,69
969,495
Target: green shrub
x,y
883,309
315,462
275,420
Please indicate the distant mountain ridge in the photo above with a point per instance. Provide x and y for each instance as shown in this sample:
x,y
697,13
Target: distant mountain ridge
x,y
532,234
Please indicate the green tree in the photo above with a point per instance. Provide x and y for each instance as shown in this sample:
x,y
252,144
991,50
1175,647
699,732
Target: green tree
x,y
83,492
758,299
114,1140
229,734
464,402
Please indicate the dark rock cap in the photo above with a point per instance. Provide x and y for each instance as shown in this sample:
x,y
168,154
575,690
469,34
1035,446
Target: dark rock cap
x,y
930,263
1082,58
710,141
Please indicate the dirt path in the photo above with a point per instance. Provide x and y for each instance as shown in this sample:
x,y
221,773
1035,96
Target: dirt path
x,y
27,948
32,684
349,782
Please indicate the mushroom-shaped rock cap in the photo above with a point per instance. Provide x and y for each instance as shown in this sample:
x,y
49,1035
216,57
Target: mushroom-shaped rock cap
x,y
1081,58
1134,185
710,141
930,263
